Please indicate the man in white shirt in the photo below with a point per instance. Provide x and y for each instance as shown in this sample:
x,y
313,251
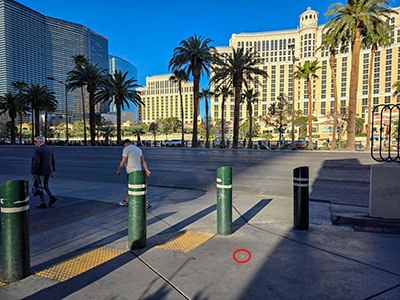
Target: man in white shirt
x,y
133,159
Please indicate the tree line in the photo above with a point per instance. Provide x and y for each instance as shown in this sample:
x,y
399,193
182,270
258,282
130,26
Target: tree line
x,y
361,23
100,85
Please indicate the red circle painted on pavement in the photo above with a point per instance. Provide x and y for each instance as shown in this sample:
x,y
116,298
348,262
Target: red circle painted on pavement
x,y
241,261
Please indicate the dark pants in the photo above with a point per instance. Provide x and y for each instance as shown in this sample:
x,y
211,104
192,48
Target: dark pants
x,y
43,180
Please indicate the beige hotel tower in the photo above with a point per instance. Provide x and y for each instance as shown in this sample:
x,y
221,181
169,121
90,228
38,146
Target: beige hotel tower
x,y
161,99
275,56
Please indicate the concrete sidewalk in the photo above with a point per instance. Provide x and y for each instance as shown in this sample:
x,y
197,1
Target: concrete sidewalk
x,y
326,262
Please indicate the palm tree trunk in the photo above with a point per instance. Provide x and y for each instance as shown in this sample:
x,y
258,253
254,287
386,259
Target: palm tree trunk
x,y
310,144
335,95
37,122
45,126
33,125
84,118
118,124
369,125
20,127
207,133
250,145
238,90
182,114
223,122
12,129
92,120
196,87
355,61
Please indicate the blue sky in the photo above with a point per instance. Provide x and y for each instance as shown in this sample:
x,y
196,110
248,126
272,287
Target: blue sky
x,y
146,32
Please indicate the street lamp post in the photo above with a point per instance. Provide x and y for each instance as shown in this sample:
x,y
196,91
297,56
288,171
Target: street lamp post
x,y
294,59
66,106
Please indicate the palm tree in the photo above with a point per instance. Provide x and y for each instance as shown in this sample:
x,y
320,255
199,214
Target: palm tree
x,y
120,90
225,92
138,130
91,76
193,56
205,94
330,42
380,36
37,95
234,68
178,78
22,107
8,103
48,105
351,20
308,71
153,128
250,97
80,60
396,87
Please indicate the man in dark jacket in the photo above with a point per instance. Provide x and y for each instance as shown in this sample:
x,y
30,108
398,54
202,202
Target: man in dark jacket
x,y
43,167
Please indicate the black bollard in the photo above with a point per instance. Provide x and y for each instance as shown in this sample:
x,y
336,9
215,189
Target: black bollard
x,y
300,198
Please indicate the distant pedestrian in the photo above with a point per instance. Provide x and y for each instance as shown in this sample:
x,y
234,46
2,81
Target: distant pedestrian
x,y
43,167
133,159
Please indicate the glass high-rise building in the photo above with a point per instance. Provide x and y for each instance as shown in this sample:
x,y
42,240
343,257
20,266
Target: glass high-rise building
x,y
119,64
34,46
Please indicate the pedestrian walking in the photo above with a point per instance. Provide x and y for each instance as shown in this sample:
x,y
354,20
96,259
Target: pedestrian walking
x,y
133,160
43,167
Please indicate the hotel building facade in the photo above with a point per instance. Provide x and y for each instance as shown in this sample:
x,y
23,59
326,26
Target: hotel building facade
x,y
275,56
35,46
162,100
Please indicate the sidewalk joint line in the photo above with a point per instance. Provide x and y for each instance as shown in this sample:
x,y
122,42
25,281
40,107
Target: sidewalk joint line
x,y
383,292
162,277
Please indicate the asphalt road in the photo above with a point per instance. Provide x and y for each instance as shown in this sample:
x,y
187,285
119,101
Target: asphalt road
x,y
340,177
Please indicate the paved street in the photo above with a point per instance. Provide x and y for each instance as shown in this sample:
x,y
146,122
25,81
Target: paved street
x,y
342,177
326,262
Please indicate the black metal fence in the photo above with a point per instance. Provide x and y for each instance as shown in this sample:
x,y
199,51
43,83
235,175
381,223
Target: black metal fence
x,y
385,133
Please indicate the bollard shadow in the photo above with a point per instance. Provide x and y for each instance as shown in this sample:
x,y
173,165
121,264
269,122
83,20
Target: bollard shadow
x,y
102,242
249,214
175,230
64,289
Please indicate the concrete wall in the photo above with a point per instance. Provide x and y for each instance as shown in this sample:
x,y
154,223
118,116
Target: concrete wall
x,y
384,198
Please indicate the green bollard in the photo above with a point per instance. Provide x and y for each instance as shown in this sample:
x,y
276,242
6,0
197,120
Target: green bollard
x,y
224,200
15,230
137,210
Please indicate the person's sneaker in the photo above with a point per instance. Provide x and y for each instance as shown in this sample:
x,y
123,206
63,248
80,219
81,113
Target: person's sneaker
x,y
123,203
53,200
42,205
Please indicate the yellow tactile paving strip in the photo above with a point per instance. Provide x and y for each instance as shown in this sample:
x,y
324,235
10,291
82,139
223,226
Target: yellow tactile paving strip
x,y
79,264
187,241
3,283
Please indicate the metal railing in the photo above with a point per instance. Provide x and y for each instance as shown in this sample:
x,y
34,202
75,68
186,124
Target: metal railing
x,y
386,118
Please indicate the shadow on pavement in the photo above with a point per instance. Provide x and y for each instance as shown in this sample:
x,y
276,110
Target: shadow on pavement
x,y
352,178
102,242
63,289
162,292
248,215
